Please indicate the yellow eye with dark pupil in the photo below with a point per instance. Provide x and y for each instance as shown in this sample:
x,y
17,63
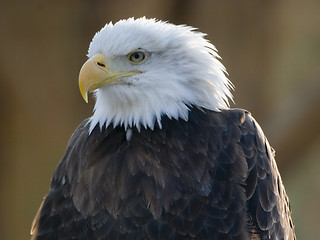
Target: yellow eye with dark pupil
x,y
137,57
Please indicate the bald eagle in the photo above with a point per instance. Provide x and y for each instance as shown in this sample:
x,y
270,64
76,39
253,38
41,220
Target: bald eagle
x,y
163,156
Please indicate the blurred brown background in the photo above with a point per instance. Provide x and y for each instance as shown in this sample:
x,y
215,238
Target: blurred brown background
x,y
271,50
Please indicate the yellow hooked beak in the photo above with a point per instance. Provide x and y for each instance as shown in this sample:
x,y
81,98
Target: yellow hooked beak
x,y
95,73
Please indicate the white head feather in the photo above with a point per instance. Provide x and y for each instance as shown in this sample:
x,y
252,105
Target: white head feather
x,y
181,70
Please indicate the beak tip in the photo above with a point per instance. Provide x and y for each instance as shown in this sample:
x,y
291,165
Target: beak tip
x,y
84,96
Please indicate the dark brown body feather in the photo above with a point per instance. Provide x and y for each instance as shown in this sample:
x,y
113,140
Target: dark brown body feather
x,y
213,177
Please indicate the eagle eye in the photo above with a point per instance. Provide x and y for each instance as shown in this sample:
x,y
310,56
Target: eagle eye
x,y
137,56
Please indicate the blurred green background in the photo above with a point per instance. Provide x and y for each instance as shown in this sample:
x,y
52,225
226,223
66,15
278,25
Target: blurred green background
x,y
271,50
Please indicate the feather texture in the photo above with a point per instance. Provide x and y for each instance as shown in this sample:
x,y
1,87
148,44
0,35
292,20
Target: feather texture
x,y
211,177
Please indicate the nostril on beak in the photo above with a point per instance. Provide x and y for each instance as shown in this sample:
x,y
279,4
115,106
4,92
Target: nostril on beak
x,y
101,64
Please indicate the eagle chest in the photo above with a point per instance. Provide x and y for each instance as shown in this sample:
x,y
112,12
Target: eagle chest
x,y
152,169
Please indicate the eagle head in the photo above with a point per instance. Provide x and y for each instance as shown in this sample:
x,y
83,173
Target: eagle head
x,y
141,69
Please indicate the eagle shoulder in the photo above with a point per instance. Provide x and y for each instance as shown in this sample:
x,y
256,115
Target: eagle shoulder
x,y
267,201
